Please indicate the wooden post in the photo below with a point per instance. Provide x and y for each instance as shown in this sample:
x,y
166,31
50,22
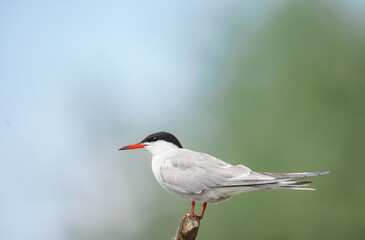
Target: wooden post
x,y
188,228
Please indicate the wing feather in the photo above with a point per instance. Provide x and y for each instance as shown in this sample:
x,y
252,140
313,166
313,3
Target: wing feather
x,y
192,172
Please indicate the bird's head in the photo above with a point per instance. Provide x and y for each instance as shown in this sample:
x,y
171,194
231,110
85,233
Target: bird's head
x,y
156,143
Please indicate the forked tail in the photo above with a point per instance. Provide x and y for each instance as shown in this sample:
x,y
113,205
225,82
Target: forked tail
x,y
287,180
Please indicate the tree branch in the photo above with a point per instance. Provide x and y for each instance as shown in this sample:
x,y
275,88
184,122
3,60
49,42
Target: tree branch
x,y
188,229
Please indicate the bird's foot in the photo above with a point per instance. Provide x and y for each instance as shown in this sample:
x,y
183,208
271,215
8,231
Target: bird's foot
x,y
196,216
192,216
200,217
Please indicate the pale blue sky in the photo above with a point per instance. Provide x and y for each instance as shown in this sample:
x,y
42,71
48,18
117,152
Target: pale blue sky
x,y
138,62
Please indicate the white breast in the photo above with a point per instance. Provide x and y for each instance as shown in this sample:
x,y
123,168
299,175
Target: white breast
x,y
159,167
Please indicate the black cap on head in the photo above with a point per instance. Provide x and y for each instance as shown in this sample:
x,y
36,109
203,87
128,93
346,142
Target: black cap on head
x,y
168,137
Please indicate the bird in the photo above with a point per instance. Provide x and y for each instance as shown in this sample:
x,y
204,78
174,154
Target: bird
x,y
207,179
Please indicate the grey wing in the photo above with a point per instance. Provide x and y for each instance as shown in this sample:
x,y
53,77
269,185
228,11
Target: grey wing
x,y
189,172
193,172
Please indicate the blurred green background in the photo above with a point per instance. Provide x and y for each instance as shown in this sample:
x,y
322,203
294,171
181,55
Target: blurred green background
x,y
275,85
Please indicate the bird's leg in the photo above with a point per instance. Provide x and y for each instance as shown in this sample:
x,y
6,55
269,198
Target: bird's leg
x,y
203,210
192,209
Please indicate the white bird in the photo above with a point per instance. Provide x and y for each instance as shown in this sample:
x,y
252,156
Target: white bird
x,y
201,177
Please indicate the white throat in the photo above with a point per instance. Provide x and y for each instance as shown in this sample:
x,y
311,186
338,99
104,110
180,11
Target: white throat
x,y
159,147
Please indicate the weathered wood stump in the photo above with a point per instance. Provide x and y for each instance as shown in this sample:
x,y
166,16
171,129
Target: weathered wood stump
x,y
188,228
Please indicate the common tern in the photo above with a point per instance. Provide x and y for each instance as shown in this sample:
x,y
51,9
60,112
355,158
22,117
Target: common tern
x,y
204,178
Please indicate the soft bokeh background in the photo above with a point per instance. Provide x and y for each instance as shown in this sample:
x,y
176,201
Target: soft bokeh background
x,y
275,85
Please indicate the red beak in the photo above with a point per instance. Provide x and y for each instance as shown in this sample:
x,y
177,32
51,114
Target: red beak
x,y
133,146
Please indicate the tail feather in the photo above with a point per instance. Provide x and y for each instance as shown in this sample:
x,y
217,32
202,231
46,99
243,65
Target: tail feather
x,y
294,176
287,180
310,189
275,181
295,185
